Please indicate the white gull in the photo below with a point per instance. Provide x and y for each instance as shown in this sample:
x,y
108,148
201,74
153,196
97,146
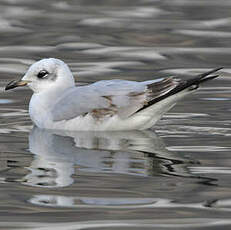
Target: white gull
x,y
105,105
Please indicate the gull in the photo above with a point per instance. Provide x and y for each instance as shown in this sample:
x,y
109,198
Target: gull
x,y
105,105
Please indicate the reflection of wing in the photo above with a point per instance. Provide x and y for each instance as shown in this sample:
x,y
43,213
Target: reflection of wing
x,y
109,98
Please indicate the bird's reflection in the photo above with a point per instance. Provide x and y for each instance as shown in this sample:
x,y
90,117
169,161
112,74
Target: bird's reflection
x,y
60,154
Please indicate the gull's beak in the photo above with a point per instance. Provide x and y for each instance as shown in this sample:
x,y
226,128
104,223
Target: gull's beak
x,y
14,84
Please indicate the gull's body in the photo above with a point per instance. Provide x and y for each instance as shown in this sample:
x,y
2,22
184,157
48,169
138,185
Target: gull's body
x,y
42,106
105,105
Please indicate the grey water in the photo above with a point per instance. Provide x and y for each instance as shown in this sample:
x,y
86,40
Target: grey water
x,y
174,176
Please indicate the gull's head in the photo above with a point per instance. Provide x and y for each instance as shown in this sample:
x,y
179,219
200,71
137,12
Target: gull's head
x,y
46,74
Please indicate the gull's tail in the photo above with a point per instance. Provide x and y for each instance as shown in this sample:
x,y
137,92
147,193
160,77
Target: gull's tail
x,y
190,85
197,80
157,106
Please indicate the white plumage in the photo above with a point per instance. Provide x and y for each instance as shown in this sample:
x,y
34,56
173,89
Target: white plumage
x,y
105,105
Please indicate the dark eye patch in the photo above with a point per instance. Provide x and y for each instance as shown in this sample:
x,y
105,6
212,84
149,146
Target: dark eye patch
x,y
42,74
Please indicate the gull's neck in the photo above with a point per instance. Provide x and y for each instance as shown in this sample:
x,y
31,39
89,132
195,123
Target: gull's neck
x,y
51,96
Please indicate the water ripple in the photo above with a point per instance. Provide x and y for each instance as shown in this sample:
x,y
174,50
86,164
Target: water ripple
x,y
210,170
159,223
203,33
200,148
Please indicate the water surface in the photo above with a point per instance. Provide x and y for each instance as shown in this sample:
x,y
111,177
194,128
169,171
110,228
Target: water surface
x,y
174,176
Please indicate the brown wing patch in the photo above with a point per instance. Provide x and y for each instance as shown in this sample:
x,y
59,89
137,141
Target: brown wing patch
x,y
109,98
101,113
159,88
123,107
135,94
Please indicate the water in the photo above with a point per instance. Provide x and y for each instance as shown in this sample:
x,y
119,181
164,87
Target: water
x,y
175,176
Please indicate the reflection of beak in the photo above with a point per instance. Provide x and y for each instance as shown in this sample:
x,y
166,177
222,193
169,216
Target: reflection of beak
x,y
14,84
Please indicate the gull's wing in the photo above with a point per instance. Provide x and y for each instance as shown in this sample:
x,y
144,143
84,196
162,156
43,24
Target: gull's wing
x,y
108,98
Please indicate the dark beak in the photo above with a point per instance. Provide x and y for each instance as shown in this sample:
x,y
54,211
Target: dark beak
x,y
14,84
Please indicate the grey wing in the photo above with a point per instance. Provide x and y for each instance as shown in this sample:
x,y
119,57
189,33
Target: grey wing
x,y
76,102
108,98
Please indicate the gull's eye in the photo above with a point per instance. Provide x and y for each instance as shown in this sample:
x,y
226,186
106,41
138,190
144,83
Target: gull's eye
x,y
42,74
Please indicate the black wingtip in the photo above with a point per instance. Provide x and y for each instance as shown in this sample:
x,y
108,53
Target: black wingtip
x,y
219,68
209,78
209,72
191,84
